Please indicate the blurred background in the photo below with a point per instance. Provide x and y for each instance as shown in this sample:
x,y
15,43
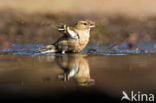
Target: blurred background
x,y
26,25
117,21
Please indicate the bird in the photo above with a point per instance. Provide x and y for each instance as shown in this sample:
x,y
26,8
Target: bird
x,y
74,38
75,67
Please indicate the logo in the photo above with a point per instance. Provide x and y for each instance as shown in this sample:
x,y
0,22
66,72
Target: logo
x,y
138,96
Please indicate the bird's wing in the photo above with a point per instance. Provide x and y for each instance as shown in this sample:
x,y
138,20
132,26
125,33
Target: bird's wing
x,y
71,33
63,29
68,31
46,49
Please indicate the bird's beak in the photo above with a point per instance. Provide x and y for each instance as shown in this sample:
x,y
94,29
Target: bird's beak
x,y
92,24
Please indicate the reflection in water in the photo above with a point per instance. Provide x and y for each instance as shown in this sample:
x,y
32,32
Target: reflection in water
x,y
4,45
132,41
75,68
38,75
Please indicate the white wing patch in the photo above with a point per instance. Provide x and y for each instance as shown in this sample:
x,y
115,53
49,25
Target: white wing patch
x,y
73,71
72,34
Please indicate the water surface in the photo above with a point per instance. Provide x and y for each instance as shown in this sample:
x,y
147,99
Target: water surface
x,y
98,74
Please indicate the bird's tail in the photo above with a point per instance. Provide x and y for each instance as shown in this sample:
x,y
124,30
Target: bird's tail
x,y
46,49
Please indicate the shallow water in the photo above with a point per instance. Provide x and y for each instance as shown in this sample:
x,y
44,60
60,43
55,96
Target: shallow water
x,y
110,49
101,74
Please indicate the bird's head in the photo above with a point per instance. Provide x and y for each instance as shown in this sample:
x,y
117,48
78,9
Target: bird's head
x,y
87,24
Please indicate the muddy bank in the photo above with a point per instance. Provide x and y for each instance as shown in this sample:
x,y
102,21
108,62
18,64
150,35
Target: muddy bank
x,y
19,27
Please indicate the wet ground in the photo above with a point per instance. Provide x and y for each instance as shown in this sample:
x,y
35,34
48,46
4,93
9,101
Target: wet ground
x,y
94,74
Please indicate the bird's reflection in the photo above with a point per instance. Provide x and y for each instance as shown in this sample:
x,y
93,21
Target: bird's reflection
x,y
75,67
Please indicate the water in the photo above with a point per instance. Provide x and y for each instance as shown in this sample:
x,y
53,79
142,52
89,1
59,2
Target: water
x,y
122,49
92,74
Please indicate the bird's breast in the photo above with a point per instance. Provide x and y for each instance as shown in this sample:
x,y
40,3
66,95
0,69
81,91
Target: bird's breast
x,y
83,35
82,44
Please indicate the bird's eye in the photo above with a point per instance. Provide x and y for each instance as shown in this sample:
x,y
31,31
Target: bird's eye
x,y
85,23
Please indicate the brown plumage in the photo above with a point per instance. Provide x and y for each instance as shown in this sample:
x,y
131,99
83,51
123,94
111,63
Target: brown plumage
x,y
74,39
75,68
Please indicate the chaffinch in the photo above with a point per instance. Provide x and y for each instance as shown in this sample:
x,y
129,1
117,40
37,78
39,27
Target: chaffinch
x,y
74,39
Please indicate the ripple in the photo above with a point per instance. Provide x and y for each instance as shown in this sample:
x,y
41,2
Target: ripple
x,y
92,49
